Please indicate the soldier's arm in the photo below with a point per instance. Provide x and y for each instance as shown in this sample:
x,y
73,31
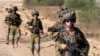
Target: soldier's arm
x,y
53,35
85,43
20,20
7,20
41,26
28,25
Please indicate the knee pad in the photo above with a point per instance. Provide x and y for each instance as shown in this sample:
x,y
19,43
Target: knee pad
x,y
11,36
37,46
18,35
7,34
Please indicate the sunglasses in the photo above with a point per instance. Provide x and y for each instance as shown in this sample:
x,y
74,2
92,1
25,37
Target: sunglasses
x,y
71,20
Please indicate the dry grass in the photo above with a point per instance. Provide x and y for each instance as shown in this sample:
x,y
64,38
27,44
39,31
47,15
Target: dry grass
x,y
48,12
90,30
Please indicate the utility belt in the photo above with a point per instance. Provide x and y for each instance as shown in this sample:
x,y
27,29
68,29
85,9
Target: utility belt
x,y
14,24
35,30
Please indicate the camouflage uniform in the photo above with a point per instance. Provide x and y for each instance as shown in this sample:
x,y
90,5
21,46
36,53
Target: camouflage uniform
x,y
15,26
35,32
53,36
77,38
8,22
58,24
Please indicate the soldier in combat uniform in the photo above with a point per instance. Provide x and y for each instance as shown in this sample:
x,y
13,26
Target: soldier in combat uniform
x,y
70,41
7,21
58,25
35,26
15,22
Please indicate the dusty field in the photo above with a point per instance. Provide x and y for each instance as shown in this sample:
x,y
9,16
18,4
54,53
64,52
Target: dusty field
x,y
47,45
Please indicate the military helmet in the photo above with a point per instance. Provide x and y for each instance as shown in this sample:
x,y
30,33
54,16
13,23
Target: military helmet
x,y
14,8
65,8
35,12
8,10
70,15
61,11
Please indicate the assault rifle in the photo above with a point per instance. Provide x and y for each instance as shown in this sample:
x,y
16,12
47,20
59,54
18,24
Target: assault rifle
x,y
51,29
34,29
71,47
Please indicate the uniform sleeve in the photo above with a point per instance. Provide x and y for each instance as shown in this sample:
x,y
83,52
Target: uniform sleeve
x,y
20,20
54,34
85,43
57,43
7,20
29,23
41,26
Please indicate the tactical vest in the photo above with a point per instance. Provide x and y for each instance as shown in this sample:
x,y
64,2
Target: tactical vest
x,y
36,26
16,20
74,39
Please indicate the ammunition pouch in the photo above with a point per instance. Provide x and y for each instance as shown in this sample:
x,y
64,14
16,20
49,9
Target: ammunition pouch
x,y
35,30
16,22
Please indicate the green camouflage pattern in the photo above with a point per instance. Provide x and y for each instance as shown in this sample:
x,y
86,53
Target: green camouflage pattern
x,y
61,11
14,28
7,19
35,37
78,34
35,42
15,31
35,12
78,38
69,15
53,35
8,23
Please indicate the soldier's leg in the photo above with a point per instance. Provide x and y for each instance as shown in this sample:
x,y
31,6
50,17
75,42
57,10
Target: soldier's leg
x,y
37,46
18,35
13,40
32,48
12,37
8,33
12,32
32,44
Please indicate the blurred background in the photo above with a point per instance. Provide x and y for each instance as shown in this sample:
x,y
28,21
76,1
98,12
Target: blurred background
x,y
88,20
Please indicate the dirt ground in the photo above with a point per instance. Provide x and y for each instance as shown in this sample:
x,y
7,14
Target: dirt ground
x,y
47,45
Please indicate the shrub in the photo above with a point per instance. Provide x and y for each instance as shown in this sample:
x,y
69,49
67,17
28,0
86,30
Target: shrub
x,y
43,2
83,4
90,16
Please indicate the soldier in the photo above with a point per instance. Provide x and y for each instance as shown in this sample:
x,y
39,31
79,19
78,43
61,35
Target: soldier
x,y
58,25
75,42
35,26
15,26
8,22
